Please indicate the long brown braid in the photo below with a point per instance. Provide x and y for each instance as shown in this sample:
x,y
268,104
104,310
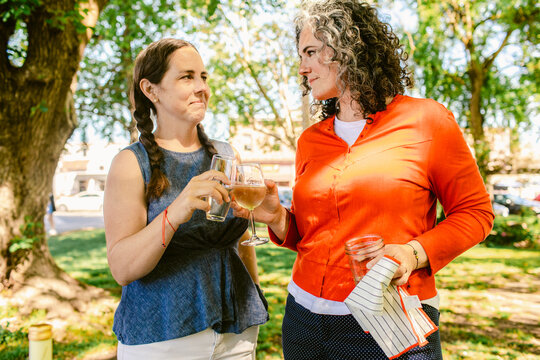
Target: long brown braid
x,y
152,63
205,141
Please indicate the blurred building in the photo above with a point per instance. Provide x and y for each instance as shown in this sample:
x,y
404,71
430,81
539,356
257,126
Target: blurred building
x,y
277,160
510,156
84,167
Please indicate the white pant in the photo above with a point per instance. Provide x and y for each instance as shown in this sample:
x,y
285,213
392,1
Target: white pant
x,y
205,345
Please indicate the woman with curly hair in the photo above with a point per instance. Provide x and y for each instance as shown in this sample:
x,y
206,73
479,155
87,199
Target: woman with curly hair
x,y
376,163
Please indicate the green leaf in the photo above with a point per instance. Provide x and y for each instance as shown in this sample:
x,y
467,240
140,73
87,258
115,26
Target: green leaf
x,y
42,106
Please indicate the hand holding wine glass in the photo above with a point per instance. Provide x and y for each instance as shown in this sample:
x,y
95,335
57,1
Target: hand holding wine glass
x,y
268,212
249,191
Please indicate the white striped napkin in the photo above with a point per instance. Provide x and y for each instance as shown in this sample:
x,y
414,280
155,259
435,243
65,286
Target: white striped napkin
x,y
394,318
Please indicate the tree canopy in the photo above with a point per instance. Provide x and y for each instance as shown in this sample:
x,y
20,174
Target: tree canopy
x,y
480,58
254,72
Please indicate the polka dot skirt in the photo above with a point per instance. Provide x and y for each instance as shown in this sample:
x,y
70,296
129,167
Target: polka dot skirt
x,y
309,336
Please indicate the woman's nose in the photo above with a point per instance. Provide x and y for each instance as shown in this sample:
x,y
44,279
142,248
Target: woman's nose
x,y
303,69
201,86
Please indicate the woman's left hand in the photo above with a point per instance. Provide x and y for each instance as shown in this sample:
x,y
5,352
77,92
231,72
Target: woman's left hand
x,y
405,255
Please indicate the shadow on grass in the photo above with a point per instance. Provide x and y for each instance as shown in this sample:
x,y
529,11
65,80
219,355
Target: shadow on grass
x,y
493,268
500,336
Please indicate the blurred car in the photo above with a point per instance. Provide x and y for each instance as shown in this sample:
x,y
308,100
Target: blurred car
x,y
285,196
499,209
85,200
515,203
507,185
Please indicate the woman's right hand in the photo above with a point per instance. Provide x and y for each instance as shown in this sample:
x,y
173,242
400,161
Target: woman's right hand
x,y
194,196
270,210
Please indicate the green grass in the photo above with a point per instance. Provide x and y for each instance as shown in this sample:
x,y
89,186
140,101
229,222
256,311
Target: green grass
x,y
83,255
488,299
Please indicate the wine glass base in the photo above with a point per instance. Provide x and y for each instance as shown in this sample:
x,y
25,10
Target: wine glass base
x,y
254,241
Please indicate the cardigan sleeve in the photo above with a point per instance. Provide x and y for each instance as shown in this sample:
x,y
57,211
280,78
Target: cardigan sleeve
x,y
457,184
292,237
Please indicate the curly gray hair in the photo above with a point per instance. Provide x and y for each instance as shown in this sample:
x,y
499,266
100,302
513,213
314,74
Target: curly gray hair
x,y
371,60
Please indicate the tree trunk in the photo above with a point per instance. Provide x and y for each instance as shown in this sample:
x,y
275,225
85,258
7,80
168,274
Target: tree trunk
x,y
38,116
476,119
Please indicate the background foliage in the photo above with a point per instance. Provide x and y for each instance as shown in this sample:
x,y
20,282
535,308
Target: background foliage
x,y
481,59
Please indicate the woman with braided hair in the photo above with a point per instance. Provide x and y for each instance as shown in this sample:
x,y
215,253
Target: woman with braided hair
x,y
188,289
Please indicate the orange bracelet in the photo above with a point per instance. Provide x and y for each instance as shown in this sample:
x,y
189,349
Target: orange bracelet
x,y
165,218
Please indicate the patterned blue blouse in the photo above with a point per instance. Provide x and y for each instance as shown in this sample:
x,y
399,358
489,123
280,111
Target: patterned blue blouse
x,y
200,281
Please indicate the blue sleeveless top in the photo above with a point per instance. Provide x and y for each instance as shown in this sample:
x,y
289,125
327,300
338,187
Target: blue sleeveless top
x,y
200,281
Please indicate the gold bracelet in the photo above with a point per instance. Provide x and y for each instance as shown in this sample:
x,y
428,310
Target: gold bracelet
x,y
415,254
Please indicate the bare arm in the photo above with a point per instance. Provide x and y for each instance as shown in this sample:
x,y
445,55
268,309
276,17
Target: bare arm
x,y
134,248
249,258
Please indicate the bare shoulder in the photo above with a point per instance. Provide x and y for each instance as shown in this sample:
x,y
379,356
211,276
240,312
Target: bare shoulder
x,y
124,164
124,205
125,184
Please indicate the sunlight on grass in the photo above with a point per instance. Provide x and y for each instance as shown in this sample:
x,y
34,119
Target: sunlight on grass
x,y
88,336
488,304
275,265
83,255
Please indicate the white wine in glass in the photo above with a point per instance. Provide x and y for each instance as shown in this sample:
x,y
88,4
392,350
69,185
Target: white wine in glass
x,y
249,190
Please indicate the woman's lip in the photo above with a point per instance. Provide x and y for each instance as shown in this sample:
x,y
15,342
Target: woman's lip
x,y
312,80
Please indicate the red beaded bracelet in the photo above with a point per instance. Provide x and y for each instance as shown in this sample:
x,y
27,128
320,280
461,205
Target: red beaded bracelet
x,y
165,218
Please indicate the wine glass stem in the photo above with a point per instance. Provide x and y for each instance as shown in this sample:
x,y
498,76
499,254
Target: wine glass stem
x,y
253,234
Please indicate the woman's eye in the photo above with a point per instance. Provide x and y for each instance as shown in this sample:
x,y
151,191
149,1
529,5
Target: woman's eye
x,y
310,52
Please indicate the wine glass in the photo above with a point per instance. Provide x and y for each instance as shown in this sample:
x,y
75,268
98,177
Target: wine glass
x,y
249,191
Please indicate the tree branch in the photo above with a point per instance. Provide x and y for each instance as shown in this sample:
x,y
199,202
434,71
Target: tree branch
x,y
291,141
246,64
453,18
490,18
490,59
255,77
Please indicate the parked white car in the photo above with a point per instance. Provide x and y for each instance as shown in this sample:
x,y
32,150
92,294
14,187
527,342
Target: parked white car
x,y
499,209
85,200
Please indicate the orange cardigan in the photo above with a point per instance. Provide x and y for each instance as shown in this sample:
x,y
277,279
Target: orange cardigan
x,y
387,183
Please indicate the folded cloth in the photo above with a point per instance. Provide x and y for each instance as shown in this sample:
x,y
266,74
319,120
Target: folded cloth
x,y
394,318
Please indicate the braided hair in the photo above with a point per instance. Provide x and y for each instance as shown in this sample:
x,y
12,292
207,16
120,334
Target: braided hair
x,y
152,63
